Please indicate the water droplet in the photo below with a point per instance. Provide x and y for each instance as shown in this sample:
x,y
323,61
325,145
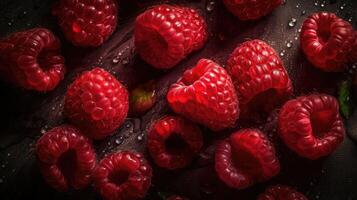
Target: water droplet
x,y
322,5
296,38
25,12
120,54
1,180
292,22
210,6
303,12
299,30
115,60
349,19
342,6
119,140
317,196
128,125
297,6
8,154
9,23
289,44
282,53
316,3
3,166
125,61
140,137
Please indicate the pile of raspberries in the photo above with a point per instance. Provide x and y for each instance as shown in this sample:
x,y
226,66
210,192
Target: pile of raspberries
x,y
254,82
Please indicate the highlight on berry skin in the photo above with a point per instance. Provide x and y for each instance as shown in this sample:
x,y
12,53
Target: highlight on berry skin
x,y
166,34
311,125
32,60
173,142
122,175
246,158
66,158
205,94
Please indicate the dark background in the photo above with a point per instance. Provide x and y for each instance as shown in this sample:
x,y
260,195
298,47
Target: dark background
x,y
25,115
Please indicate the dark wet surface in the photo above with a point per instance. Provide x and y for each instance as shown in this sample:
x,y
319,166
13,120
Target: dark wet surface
x,y
25,115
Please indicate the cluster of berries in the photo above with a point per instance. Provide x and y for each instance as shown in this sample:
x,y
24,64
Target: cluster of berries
x,y
254,81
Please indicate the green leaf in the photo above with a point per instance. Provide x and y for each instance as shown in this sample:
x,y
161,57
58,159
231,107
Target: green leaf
x,y
345,99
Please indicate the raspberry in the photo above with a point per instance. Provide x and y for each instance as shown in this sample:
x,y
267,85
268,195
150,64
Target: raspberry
x,y
124,175
165,34
173,142
311,125
251,9
97,103
280,192
31,59
206,95
86,23
176,198
327,41
245,158
259,77
66,158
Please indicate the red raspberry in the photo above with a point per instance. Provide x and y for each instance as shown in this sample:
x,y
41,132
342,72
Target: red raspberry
x,y
97,103
280,192
251,9
173,142
165,34
205,94
176,198
31,59
311,125
124,175
327,41
259,77
86,23
245,158
66,158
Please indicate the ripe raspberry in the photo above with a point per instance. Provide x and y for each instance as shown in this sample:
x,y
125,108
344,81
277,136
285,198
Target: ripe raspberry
x,y
251,9
176,198
66,158
259,77
311,125
205,94
327,41
31,59
245,158
97,103
124,175
280,192
173,142
165,34
86,23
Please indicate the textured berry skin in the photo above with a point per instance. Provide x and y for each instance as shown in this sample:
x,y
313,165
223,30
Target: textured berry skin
x,y
327,41
173,142
259,77
66,158
311,125
97,103
122,176
165,34
245,158
31,59
251,9
281,192
205,94
86,23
